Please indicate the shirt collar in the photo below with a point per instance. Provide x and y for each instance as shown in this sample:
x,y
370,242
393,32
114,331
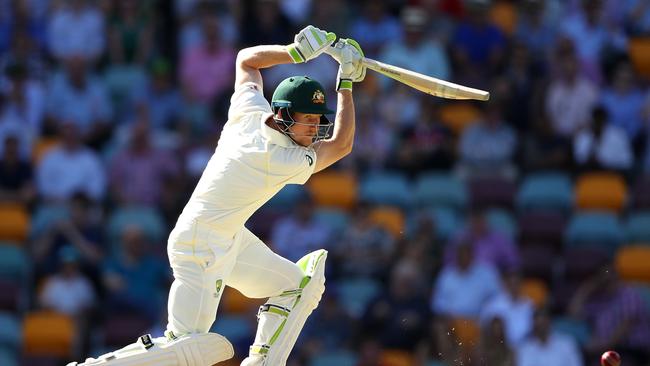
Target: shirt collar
x,y
274,136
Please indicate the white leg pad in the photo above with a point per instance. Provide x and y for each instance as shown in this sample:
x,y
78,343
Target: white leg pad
x,y
282,318
204,349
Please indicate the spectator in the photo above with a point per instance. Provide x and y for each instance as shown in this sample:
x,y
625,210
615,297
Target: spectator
x,y
16,175
140,172
617,314
133,276
545,150
365,248
300,233
78,97
332,15
159,96
603,146
81,231
25,99
546,346
70,168
416,50
487,147
463,287
191,34
130,34
400,317
374,27
400,107
494,349
570,97
76,28
24,51
272,26
534,30
68,291
512,307
624,101
206,69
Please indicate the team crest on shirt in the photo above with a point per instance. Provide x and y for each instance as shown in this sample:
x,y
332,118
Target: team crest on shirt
x,y
318,97
310,160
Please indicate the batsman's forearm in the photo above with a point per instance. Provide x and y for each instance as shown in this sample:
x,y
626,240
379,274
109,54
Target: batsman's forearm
x,y
260,57
344,125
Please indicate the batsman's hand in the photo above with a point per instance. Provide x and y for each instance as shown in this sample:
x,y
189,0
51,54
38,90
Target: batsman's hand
x,y
349,55
309,43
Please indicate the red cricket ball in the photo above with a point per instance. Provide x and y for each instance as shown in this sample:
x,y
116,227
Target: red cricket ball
x,y
610,358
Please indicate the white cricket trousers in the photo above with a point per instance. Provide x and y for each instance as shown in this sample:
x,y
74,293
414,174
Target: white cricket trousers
x,y
203,263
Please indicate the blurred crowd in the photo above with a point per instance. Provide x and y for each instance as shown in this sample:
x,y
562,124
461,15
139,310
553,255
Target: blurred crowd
x,y
110,110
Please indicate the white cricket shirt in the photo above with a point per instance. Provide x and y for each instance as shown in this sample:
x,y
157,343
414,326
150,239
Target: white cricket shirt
x,y
251,163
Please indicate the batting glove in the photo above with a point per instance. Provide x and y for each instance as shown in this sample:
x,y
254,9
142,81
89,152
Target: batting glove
x,y
349,55
309,43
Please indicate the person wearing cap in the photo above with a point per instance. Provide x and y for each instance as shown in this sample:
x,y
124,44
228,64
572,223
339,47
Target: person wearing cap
x,y
262,148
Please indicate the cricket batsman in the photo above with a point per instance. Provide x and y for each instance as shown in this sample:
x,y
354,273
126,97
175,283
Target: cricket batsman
x,y
262,148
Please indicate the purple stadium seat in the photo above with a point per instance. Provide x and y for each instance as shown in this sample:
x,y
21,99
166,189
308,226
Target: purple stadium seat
x,y
122,329
9,295
538,261
641,193
542,227
492,192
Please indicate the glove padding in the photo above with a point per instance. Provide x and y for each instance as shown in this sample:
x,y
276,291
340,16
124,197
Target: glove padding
x,y
349,55
309,43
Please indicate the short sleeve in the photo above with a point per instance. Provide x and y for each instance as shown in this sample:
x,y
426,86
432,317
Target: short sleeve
x,y
247,98
306,169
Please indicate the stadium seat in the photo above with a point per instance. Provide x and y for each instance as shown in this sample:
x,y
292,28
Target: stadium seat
x,y
389,218
48,334
11,335
600,191
41,147
639,52
503,14
578,329
335,220
334,189
502,221
492,192
147,218
640,199
45,215
287,197
393,357
538,260
10,294
440,190
637,227
14,223
536,290
389,189
458,115
466,331
334,358
14,263
236,327
356,293
8,357
40,360
234,302
595,229
542,227
583,262
633,263
447,221
545,191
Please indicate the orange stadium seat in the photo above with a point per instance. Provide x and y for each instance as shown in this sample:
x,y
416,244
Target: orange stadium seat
x,y
234,302
639,52
392,357
14,223
459,115
48,333
332,188
504,15
600,191
390,218
467,331
41,147
536,290
633,263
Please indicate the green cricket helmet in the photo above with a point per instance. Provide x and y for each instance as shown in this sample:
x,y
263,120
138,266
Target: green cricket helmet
x,y
300,94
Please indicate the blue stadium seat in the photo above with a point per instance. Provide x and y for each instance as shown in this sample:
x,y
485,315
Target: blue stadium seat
x,y
356,293
14,263
502,221
545,191
147,218
447,221
287,197
10,331
235,327
335,219
8,357
637,227
440,189
579,330
335,358
45,216
595,229
388,189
